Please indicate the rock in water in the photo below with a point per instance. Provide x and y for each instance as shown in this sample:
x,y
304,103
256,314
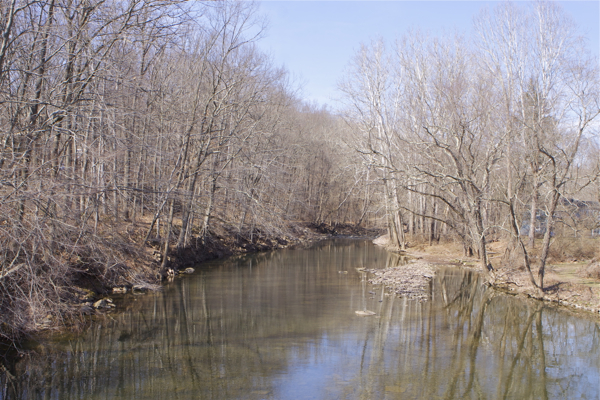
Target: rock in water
x,y
138,289
364,313
104,303
100,304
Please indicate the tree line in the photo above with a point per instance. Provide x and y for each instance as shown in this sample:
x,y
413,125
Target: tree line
x,y
467,134
128,125
160,113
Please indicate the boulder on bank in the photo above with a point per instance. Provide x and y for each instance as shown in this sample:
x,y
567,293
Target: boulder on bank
x,y
383,240
104,303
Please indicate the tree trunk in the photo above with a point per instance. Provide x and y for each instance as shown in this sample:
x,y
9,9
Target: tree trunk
x,y
533,211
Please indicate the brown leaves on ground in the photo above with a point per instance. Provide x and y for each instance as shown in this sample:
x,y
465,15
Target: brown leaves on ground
x,y
591,270
568,280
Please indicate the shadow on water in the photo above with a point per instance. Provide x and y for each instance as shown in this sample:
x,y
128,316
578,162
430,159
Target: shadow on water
x,y
281,325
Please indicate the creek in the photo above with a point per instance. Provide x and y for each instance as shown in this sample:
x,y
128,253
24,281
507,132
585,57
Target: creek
x,y
282,325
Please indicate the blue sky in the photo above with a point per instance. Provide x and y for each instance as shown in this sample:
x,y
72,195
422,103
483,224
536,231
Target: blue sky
x,y
315,40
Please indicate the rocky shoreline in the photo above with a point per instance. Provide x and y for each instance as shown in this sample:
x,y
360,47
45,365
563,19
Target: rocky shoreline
x,y
576,296
410,280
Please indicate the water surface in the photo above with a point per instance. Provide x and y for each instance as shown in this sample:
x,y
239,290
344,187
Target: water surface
x,y
282,325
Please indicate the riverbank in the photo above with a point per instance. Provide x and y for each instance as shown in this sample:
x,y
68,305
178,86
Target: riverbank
x,y
120,260
570,280
250,327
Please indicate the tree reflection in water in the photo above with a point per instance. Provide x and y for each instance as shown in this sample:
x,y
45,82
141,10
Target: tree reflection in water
x,y
282,325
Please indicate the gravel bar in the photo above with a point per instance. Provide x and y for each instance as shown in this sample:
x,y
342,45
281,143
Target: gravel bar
x,y
410,280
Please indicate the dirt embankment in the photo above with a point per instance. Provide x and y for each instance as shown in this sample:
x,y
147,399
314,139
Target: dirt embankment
x,y
137,266
572,275
218,244
223,244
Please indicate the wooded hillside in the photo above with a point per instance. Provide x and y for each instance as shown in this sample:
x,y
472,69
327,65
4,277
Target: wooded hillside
x,y
161,116
133,129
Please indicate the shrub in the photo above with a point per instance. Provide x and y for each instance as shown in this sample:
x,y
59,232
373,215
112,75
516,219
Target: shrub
x,y
571,249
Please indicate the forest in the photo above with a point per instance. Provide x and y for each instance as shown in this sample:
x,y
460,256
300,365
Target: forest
x,y
470,135
133,132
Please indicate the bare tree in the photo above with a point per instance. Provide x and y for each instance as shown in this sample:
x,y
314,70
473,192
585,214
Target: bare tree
x,y
372,96
548,85
475,126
